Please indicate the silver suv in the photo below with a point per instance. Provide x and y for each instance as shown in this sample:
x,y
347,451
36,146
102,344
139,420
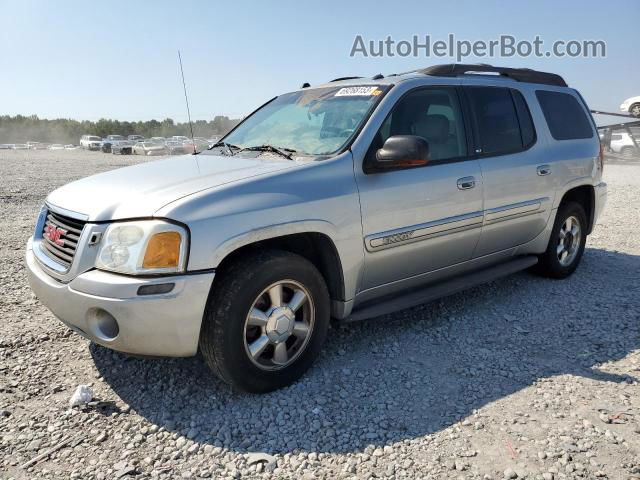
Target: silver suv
x,y
348,200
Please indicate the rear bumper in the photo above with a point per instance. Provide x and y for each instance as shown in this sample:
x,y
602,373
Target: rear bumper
x,y
166,325
600,201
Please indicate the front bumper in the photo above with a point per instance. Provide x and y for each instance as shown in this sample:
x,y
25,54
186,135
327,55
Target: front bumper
x,y
166,325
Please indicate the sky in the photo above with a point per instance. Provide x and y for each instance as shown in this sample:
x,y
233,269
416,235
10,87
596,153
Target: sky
x,y
118,59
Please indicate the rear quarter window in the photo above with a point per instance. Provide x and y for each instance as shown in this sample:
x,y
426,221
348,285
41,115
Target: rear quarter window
x,y
565,116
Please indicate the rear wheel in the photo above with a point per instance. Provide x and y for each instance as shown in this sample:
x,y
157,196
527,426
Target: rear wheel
x,y
566,244
266,320
635,110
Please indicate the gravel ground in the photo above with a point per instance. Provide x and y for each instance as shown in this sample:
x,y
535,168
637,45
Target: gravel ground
x,y
522,378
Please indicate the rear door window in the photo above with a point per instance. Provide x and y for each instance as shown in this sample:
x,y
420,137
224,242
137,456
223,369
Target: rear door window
x,y
495,119
565,116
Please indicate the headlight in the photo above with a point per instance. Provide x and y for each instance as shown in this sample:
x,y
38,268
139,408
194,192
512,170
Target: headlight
x,y
143,247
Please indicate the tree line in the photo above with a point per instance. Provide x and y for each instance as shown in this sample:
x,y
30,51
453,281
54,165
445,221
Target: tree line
x,y
21,128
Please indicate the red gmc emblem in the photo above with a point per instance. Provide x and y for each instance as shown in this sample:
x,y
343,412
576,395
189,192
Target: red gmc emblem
x,y
54,234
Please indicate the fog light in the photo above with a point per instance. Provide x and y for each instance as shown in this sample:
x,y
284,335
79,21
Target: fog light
x,y
102,324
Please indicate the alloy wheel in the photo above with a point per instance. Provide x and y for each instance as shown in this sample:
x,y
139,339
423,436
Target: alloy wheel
x,y
279,325
570,236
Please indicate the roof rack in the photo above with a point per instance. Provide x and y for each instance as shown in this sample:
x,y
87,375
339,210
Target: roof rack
x,y
518,74
343,78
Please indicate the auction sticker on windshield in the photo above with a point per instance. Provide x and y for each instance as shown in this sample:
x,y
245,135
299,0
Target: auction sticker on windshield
x,y
358,92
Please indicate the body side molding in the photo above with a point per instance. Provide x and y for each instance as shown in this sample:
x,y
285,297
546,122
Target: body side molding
x,y
424,231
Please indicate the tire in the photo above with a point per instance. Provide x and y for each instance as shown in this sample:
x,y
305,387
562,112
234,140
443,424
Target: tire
x,y
229,334
635,109
550,263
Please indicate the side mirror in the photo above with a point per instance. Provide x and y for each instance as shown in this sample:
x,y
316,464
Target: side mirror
x,y
403,151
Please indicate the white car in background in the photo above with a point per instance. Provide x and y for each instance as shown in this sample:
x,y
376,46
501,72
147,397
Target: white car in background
x,y
90,142
20,146
56,146
632,106
6,146
623,144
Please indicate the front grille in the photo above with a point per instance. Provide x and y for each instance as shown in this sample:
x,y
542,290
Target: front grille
x,y
60,238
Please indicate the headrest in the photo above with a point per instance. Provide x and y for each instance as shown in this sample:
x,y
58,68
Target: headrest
x,y
433,128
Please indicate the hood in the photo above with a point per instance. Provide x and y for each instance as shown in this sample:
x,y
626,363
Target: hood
x,y
140,190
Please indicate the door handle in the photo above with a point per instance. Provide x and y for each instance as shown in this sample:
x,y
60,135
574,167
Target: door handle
x,y
544,170
465,183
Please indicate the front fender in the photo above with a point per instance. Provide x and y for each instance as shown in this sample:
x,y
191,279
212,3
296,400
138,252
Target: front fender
x,y
273,231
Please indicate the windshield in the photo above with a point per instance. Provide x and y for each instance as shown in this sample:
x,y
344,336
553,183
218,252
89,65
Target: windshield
x,y
316,121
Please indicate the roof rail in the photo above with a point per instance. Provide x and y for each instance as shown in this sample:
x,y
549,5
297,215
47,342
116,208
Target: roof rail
x,y
518,74
343,78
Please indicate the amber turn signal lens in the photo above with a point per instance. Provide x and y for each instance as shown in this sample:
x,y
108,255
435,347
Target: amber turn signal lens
x,y
163,251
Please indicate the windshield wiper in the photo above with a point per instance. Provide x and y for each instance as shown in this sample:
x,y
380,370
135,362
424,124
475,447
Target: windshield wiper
x,y
228,146
285,152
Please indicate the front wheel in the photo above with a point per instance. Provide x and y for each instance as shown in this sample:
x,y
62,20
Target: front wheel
x,y
635,110
266,320
566,244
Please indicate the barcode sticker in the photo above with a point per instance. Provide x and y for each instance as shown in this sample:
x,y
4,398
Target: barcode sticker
x,y
357,92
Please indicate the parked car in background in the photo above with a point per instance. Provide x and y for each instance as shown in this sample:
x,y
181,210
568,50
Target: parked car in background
x,y
108,141
200,145
56,146
71,146
150,148
6,146
623,143
20,146
157,139
122,147
175,147
40,146
179,138
632,106
32,144
90,142
135,138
